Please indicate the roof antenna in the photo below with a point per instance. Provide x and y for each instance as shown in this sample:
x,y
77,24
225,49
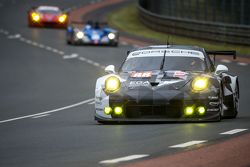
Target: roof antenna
x,y
168,40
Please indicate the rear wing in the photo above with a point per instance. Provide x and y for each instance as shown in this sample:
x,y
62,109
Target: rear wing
x,y
226,53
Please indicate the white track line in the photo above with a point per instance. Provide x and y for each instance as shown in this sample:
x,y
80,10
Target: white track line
x,y
34,43
28,41
231,132
41,45
225,61
47,112
14,36
187,144
40,116
91,62
72,56
242,64
122,159
48,48
22,39
96,64
54,50
61,52
82,58
92,102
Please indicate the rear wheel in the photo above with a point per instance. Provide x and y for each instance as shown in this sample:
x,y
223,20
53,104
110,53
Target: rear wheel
x,y
221,103
236,102
233,104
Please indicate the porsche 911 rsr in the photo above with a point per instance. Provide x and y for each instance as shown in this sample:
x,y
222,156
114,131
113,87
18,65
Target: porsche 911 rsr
x,y
47,16
167,83
92,34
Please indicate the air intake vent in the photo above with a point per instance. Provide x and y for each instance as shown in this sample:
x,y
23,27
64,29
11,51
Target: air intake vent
x,y
154,83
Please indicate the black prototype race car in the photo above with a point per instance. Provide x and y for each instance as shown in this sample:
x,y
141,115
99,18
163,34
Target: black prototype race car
x,y
167,83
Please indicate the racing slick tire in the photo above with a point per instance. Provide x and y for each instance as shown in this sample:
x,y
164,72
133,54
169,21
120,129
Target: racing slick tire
x,y
235,101
233,107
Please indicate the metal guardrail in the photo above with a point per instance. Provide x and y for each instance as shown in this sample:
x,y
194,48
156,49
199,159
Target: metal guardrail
x,y
221,32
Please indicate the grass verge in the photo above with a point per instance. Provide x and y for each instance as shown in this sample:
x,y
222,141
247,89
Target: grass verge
x,y
126,19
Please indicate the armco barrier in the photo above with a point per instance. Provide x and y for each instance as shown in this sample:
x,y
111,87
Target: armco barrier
x,y
226,33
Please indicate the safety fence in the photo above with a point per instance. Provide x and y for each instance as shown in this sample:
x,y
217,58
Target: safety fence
x,y
156,16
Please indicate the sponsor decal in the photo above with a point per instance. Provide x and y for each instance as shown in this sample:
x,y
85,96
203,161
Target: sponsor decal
x,y
141,74
95,37
133,84
169,52
180,74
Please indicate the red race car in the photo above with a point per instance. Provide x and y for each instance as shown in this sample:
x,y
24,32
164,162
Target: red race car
x,y
47,16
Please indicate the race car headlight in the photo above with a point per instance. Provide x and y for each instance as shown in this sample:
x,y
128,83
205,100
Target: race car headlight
x,y
111,36
201,110
200,83
79,35
188,111
118,110
35,17
62,18
107,110
112,84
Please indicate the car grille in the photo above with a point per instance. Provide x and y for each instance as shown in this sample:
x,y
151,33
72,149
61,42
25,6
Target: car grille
x,y
172,110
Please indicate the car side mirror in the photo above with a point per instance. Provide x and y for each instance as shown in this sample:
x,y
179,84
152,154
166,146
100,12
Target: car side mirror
x,y
110,69
220,69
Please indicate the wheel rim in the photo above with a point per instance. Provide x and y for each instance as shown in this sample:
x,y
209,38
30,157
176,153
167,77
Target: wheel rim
x,y
236,101
221,105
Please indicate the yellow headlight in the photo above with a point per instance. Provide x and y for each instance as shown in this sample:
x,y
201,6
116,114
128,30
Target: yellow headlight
x,y
112,84
107,110
35,17
189,111
62,18
201,110
118,110
200,83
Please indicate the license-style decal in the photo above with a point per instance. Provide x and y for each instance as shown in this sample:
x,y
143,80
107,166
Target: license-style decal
x,y
134,84
179,74
141,74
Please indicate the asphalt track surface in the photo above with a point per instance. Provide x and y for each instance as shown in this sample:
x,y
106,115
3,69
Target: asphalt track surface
x,y
46,106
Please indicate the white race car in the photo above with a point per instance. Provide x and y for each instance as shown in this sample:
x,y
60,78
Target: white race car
x,y
167,83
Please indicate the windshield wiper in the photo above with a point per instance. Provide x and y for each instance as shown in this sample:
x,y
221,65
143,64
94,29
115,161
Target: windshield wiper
x,y
163,60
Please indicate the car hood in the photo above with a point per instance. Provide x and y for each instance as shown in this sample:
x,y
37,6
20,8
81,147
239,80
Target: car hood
x,y
49,16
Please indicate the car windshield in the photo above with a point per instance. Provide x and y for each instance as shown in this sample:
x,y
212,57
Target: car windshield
x,y
49,11
171,63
